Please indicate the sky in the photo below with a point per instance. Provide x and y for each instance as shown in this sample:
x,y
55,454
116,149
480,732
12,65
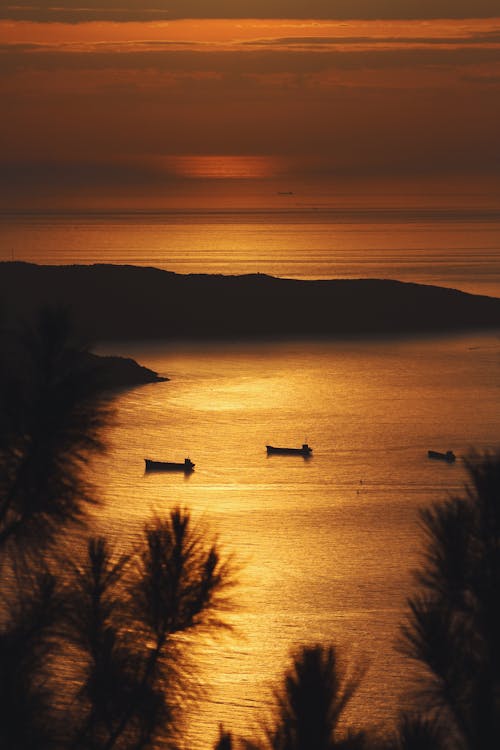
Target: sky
x,y
240,103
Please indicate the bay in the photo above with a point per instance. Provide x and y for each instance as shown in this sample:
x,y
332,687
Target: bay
x,y
326,546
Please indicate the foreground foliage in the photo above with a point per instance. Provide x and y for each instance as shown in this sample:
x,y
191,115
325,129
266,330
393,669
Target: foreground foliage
x,y
93,648
51,420
454,623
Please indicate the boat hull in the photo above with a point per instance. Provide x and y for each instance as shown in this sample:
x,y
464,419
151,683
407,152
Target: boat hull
x,y
304,451
449,456
186,466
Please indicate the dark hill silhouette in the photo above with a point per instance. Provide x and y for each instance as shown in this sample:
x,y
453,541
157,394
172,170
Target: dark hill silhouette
x,y
101,372
113,372
111,302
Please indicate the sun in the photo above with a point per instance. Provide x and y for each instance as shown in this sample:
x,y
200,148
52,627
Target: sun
x,y
224,167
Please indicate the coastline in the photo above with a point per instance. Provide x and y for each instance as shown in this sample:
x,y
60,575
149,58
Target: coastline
x,y
122,302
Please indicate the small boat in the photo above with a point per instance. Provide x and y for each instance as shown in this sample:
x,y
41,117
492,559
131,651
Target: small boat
x,y
449,456
304,451
187,467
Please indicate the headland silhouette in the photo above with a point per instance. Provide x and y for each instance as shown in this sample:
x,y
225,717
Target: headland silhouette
x,y
119,302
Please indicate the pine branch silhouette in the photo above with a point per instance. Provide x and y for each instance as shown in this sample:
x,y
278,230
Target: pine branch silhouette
x,y
453,626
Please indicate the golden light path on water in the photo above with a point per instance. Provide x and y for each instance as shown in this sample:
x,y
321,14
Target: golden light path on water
x,y
325,546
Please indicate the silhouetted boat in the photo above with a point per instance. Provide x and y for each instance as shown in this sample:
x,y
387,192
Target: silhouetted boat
x,y
187,466
304,451
449,456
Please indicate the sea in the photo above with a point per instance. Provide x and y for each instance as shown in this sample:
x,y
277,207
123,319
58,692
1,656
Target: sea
x,y
444,246
325,549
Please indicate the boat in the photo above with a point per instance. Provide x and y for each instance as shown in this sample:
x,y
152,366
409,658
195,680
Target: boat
x,y
304,451
187,466
449,456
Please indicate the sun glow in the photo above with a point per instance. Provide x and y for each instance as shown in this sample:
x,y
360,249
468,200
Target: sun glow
x,y
224,167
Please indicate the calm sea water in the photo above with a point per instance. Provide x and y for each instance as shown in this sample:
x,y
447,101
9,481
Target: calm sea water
x,y
443,247
326,545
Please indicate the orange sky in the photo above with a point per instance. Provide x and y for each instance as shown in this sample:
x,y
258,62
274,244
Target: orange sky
x,y
198,111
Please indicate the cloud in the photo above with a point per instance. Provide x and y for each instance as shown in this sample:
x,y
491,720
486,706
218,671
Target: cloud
x,y
465,40
19,175
75,11
254,48
291,56
120,107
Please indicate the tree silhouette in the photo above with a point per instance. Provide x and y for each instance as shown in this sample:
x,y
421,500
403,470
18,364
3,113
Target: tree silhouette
x,y
51,419
92,647
225,741
417,732
310,705
124,616
27,641
453,627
